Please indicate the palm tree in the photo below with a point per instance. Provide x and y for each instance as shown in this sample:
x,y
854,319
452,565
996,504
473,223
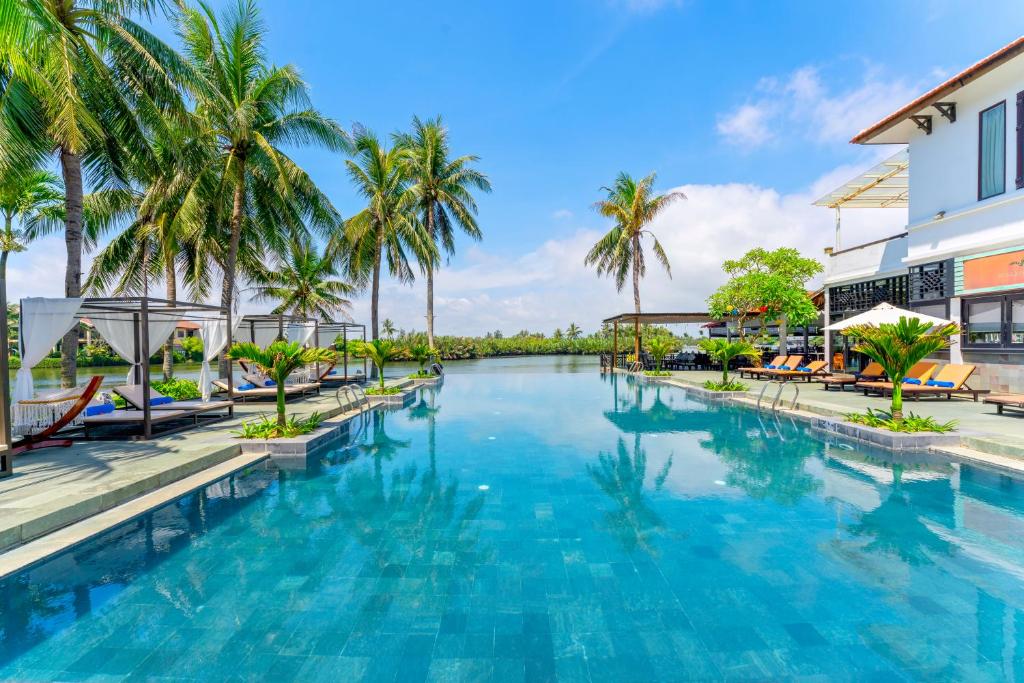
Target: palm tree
x,y
660,347
252,108
897,347
388,328
380,352
420,353
724,350
619,253
30,197
305,283
386,228
442,188
80,79
279,360
573,332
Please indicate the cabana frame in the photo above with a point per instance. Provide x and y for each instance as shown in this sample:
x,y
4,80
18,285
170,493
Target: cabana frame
x,y
343,329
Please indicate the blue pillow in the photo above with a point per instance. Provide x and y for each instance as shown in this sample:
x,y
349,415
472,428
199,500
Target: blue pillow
x,y
939,383
99,409
785,367
333,372
804,369
911,380
161,401
770,366
246,387
269,383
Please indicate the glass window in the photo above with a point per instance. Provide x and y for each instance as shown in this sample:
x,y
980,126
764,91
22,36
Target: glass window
x,y
1017,321
992,151
934,310
984,322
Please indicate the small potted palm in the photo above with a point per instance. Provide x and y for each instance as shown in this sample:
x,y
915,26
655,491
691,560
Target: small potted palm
x,y
380,352
421,353
724,350
659,347
277,362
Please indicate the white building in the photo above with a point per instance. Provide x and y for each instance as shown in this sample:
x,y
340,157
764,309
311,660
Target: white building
x,y
960,174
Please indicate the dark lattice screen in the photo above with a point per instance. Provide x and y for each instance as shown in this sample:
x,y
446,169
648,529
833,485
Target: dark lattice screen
x,y
848,300
931,281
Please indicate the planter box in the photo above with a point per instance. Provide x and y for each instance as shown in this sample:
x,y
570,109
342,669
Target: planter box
x,y
394,400
429,381
290,451
897,441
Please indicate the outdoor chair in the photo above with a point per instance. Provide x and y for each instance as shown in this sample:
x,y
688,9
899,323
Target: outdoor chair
x,y
917,376
70,414
132,394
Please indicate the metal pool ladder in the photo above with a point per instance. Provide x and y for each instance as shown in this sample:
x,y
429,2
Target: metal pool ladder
x,y
778,394
355,397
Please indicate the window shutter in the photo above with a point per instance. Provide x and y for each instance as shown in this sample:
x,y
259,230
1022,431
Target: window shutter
x,y
1020,140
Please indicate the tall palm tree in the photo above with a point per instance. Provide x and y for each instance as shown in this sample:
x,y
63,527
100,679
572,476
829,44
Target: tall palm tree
x,y
388,328
80,78
633,205
29,197
442,189
386,229
573,332
305,283
253,108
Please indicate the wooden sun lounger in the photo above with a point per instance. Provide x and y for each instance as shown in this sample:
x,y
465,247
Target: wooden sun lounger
x,y
130,418
44,438
793,362
1002,401
756,372
817,368
133,396
955,373
922,371
290,391
872,372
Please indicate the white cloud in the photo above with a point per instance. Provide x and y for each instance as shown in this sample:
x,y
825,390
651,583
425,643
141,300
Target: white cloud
x,y
644,6
802,107
562,214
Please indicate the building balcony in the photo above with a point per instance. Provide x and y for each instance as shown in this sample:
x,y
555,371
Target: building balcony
x,y
866,261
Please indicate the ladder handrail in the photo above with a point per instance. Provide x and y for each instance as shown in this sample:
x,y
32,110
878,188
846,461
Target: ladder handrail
x,y
761,395
778,394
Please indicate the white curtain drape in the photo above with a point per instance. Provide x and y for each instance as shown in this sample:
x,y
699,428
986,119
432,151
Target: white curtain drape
x,y
118,330
214,333
261,334
43,323
300,332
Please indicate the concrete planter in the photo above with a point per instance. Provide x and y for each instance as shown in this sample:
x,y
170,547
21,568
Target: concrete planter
x,y
297,448
896,441
428,381
394,400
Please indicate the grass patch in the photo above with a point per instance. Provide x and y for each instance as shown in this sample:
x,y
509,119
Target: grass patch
x,y
386,391
421,375
910,424
267,427
731,385
179,389
657,373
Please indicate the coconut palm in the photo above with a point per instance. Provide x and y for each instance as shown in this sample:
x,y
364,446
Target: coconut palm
x,y
897,347
420,353
305,282
659,347
388,328
386,230
81,79
633,205
572,333
253,108
380,352
724,350
442,187
279,360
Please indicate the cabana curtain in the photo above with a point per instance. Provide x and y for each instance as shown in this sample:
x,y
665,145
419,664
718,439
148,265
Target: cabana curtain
x,y
118,330
214,334
300,332
43,323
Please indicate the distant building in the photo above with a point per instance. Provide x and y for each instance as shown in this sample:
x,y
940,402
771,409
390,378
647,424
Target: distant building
x,y
961,255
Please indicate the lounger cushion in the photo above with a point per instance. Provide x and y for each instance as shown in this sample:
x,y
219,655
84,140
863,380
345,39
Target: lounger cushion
x,y
770,366
911,380
335,372
784,367
246,387
940,383
270,383
161,401
99,409
804,369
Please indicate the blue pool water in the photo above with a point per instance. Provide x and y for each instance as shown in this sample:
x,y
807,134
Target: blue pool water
x,y
533,520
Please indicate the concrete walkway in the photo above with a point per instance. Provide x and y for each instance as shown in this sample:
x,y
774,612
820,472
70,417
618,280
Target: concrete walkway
x,y
55,487
981,428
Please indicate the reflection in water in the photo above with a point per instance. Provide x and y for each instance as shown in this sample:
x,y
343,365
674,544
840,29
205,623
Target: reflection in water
x,y
621,477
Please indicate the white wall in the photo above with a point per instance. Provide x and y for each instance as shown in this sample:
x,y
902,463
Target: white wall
x,y
866,262
944,175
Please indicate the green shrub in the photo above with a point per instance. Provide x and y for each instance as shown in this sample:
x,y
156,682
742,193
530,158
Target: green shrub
x,y
421,374
910,423
268,428
657,373
383,391
731,385
179,389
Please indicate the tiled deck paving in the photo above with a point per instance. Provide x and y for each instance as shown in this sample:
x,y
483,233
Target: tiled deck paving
x,y
55,487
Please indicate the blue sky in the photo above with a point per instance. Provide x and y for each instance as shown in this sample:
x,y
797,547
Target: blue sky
x,y
747,106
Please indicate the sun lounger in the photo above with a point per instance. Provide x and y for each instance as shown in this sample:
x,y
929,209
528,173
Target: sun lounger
x,y
132,394
791,364
950,380
290,391
131,418
44,438
817,368
872,372
921,372
1001,401
752,372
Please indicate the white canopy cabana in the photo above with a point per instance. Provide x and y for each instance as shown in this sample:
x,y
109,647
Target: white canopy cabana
x,y
884,314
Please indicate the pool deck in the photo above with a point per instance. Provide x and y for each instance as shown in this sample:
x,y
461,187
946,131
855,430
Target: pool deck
x,y
981,429
56,487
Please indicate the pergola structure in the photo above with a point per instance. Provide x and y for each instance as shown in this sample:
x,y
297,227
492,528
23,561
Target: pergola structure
x,y
346,331
653,319
262,329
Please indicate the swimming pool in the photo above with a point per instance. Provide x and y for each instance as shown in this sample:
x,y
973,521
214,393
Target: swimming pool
x,y
533,520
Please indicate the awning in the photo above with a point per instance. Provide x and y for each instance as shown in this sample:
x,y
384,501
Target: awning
x,y
883,186
661,318
884,314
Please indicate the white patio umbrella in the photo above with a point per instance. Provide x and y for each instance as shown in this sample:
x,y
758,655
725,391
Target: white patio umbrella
x,y
884,313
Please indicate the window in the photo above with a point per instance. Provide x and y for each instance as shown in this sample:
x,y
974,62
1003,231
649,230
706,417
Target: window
x,y
984,322
1020,140
992,151
940,310
1016,321
931,281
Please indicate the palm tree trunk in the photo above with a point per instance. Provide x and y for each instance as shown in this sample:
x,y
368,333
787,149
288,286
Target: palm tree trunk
x,y
374,303
430,280
172,295
636,297
281,420
897,400
5,371
227,296
71,167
